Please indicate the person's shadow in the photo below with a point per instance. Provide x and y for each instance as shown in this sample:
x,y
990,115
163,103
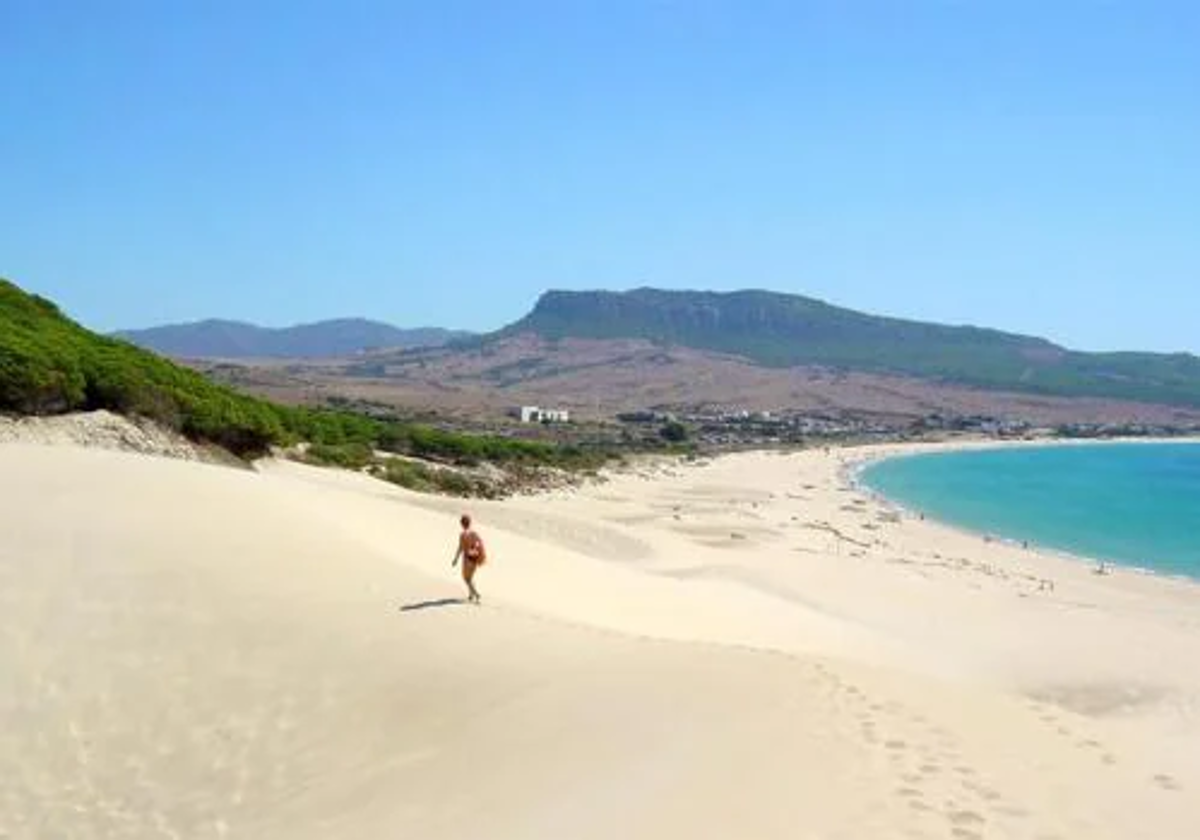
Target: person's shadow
x,y
432,605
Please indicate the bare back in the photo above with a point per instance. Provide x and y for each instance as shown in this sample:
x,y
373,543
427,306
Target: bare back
x,y
471,546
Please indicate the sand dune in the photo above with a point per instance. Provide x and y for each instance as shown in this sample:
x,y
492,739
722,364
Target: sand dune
x,y
193,651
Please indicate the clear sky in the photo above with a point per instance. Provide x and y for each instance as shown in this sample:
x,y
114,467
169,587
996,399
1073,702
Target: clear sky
x,y
1033,166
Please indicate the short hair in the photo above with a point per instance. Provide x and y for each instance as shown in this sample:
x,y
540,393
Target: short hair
x,y
466,520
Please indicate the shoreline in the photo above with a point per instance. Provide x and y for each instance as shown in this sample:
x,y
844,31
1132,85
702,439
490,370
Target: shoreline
x,y
733,518
852,474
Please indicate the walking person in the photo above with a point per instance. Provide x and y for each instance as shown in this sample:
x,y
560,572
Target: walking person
x,y
473,555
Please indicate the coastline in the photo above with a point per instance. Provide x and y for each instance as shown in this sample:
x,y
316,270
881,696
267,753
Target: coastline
x,y
852,475
799,529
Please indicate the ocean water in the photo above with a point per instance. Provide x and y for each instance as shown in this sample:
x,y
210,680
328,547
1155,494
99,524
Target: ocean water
x,y
1133,504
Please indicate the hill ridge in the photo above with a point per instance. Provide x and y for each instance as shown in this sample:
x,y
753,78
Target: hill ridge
x,y
777,329
228,338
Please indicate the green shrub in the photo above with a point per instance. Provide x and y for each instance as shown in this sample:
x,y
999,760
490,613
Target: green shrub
x,y
409,475
463,449
49,364
674,432
350,456
424,479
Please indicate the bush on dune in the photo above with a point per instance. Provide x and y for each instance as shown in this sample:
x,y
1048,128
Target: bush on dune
x,y
51,365
350,456
425,479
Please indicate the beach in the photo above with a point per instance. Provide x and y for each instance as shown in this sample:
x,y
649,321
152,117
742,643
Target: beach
x,y
748,646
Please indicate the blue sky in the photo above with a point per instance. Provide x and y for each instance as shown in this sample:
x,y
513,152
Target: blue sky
x,y
1032,166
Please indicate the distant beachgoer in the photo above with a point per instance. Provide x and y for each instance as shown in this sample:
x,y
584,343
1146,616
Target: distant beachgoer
x,y
473,555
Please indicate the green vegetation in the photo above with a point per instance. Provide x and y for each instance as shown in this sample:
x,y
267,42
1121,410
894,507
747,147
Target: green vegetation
x,y
674,432
348,456
420,475
425,479
49,365
784,330
347,440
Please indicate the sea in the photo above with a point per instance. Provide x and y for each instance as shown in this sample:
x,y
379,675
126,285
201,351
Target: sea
x,y
1135,504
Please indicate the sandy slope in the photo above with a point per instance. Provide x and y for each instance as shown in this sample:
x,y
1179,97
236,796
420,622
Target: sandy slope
x,y
191,651
105,430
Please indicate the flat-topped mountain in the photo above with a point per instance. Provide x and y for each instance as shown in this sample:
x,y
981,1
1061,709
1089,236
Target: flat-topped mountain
x,y
216,339
781,330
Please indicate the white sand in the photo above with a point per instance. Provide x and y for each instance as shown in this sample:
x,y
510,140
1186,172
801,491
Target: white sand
x,y
104,430
192,651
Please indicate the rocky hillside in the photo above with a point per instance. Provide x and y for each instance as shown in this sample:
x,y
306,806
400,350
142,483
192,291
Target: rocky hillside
x,y
779,330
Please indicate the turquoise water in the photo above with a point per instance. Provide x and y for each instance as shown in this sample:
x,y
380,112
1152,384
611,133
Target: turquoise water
x,y
1134,504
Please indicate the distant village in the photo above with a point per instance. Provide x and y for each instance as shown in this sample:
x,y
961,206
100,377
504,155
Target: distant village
x,y
724,428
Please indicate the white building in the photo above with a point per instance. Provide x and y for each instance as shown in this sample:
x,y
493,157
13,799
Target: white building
x,y
533,414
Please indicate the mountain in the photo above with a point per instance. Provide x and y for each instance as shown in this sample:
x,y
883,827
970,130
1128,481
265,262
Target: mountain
x,y
214,339
781,330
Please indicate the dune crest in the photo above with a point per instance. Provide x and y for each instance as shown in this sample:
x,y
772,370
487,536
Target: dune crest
x,y
195,651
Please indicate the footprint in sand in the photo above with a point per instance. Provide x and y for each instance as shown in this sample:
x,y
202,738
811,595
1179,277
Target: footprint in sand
x,y
962,818
1167,783
984,793
915,798
1012,811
